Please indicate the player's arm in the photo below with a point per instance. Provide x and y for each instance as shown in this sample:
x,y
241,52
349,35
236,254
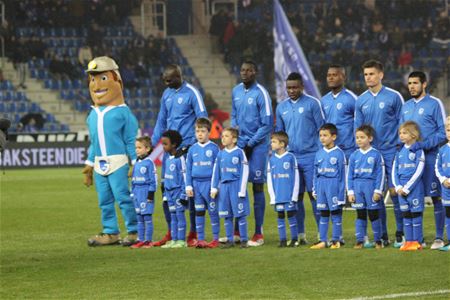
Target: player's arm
x,y
270,184
215,179
314,191
358,115
161,122
349,179
395,178
153,181
296,189
379,181
189,188
319,118
198,105
129,133
437,137
415,179
183,178
279,125
342,170
265,116
233,112
243,178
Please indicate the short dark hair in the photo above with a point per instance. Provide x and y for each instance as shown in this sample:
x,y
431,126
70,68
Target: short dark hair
x,y
418,74
250,62
295,76
372,63
367,129
144,140
174,137
203,123
282,137
234,132
337,66
330,127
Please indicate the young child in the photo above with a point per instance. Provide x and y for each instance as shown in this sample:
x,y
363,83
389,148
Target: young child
x,y
365,185
174,189
230,176
407,173
283,186
443,173
143,186
199,165
329,186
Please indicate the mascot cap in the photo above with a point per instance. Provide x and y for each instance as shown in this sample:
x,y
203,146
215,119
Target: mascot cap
x,y
102,64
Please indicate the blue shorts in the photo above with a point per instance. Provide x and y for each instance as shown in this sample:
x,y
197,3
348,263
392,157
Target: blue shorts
x,y
328,197
364,189
230,204
257,163
430,181
173,200
202,198
289,206
141,205
414,201
306,172
445,196
388,162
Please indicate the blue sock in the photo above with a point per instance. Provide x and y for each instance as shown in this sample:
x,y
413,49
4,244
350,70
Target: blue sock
x,y
281,229
259,206
439,216
336,221
293,226
167,214
300,217
315,212
417,229
236,226
181,226
383,222
215,224
192,214
243,228
200,227
376,228
408,229
228,224
447,228
140,227
148,227
323,229
397,213
174,226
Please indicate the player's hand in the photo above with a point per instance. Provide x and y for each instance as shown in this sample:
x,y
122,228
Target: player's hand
x,y
416,147
402,192
88,172
447,183
314,196
182,151
190,193
376,197
213,194
162,188
150,197
130,172
248,151
351,198
184,202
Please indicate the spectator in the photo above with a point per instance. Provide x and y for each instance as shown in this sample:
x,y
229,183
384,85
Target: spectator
x,y
84,55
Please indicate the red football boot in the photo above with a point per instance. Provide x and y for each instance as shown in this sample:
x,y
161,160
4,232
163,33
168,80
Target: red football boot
x,y
164,240
202,244
213,244
147,245
192,239
137,245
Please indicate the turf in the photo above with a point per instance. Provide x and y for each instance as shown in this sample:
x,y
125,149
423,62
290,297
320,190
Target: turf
x,y
47,215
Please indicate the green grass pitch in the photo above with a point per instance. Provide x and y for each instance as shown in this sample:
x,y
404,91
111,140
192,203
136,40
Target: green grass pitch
x,y
47,216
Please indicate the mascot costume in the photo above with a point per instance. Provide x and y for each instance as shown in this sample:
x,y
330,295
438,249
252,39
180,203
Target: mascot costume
x,y
112,131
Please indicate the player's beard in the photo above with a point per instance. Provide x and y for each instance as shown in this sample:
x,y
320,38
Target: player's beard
x,y
418,94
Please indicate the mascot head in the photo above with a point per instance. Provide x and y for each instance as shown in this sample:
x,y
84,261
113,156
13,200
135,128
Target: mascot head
x,y
105,83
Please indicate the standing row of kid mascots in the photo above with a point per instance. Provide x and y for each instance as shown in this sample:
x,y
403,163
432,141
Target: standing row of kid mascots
x,y
198,176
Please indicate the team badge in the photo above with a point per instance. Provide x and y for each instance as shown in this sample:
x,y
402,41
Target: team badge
x,y
143,204
143,170
334,199
434,185
412,156
333,160
250,100
241,206
258,173
104,165
339,106
415,202
180,100
208,153
212,205
235,160
301,109
370,160
286,165
421,111
381,105
172,167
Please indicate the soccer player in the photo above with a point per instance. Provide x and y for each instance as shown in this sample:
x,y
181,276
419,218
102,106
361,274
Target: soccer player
x,y
301,116
380,107
181,105
199,165
365,185
143,186
174,188
407,171
230,176
443,174
251,113
429,113
282,183
329,186
339,108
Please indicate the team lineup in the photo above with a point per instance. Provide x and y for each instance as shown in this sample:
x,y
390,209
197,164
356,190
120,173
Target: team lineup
x,y
340,148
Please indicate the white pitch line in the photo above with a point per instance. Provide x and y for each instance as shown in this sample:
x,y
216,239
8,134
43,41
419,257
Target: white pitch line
x,y
393,296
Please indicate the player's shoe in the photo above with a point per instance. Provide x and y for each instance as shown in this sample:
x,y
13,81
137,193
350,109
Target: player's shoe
x,y
379,245
201,245
358,245
103,239
405,246
192,239
236,238
445,248
169,244
283,244
414,246
437,244
256,241
137,245
179,244
292,243
244,244
227,245
302,242
213,244
147,245
335,245
386,243
129,240
369,245
319,245
163,241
